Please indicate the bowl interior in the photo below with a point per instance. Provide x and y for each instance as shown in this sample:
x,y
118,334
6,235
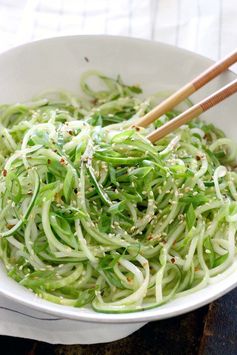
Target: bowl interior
x,y
31,69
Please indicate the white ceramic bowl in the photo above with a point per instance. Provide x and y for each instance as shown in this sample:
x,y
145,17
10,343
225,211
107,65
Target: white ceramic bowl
x,y
57,64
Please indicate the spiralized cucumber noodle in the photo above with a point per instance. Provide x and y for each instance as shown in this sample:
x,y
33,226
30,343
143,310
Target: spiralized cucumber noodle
x,y
92,214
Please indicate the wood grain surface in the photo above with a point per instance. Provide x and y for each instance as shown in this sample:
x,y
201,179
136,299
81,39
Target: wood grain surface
x,y
211,330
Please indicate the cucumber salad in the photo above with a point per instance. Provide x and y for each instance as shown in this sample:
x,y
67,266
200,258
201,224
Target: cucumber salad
x,y
94,215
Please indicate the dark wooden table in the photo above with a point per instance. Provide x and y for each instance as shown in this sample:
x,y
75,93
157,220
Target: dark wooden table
x,y
211,330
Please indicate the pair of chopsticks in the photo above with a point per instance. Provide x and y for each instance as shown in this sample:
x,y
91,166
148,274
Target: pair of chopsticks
x,y
186,91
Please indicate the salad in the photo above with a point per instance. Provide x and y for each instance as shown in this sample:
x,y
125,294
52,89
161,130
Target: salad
x,y
92,214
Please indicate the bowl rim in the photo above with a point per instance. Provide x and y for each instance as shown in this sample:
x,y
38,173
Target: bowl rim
x,y
136,317
114,37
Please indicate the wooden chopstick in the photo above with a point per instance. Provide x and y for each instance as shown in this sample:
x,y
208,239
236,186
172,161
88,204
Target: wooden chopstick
x,y
187,90
194,111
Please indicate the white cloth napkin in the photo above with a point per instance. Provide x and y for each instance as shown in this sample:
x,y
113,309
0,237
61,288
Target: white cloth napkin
x,y
208,27
20,321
